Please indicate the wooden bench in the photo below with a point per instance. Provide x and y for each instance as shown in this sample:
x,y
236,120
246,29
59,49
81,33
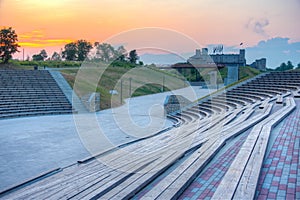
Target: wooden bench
x,y
177,181
249,180
244,98
263,94
241,179
250,95
231,104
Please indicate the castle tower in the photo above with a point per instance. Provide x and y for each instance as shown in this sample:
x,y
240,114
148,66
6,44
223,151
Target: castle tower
x,y
242,56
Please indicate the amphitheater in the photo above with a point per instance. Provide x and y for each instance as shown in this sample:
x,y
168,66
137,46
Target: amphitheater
x,y
239,144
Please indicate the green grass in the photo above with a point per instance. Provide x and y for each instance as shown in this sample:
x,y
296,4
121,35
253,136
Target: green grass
x,y
136,81
149,89
16,64
245,73
47,63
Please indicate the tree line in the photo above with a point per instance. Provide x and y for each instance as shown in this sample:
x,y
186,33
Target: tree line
x,y
287,66
74,51
80,49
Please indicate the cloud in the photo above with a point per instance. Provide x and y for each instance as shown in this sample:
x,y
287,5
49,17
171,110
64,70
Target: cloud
x,y
32,35
38,39
44,43
276,50
258,25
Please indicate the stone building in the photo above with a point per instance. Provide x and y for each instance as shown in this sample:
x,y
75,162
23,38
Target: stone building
x,y
231,61
260,64
218,59
202,59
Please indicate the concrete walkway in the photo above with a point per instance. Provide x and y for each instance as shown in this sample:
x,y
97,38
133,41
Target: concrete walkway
x,y
33,145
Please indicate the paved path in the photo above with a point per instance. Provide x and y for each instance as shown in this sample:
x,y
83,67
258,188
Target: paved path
x,y
204,186
30,146
280,175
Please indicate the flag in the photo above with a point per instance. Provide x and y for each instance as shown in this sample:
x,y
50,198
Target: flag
x,y
218,49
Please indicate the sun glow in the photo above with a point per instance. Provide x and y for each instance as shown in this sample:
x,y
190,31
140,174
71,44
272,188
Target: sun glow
x,y
47,23
45,43
47,3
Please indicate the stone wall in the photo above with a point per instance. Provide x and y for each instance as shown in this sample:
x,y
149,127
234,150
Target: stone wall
x,y
175,103
92,101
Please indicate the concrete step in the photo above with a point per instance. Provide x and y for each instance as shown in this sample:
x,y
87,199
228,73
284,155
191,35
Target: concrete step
x,y
68,91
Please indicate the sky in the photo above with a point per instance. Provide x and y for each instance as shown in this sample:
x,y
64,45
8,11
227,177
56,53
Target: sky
x,y
267,28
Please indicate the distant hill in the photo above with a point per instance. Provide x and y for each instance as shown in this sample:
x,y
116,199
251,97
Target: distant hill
x,y
162,59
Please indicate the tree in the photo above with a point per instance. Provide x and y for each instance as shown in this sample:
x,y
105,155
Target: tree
x,y
298,66
133,57
44,54
284,67
41,56
121,53
77,50
70,52
37,57
83,48
105,52
290,65
55,56
8,44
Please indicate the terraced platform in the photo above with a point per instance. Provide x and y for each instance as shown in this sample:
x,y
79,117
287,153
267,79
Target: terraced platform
x,y
245,146
31,93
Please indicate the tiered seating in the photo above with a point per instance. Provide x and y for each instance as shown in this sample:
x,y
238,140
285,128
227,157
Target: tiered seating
x,y
29,93
240,180
165,165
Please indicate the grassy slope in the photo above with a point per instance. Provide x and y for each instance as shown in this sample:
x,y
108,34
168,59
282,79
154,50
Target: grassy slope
x,y
143,81
135,82
244,72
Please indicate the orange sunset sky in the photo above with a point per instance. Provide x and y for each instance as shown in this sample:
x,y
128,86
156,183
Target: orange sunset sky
x,y
50,24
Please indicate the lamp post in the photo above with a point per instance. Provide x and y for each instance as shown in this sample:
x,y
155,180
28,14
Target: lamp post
x,y
121,100
130,79
163,84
